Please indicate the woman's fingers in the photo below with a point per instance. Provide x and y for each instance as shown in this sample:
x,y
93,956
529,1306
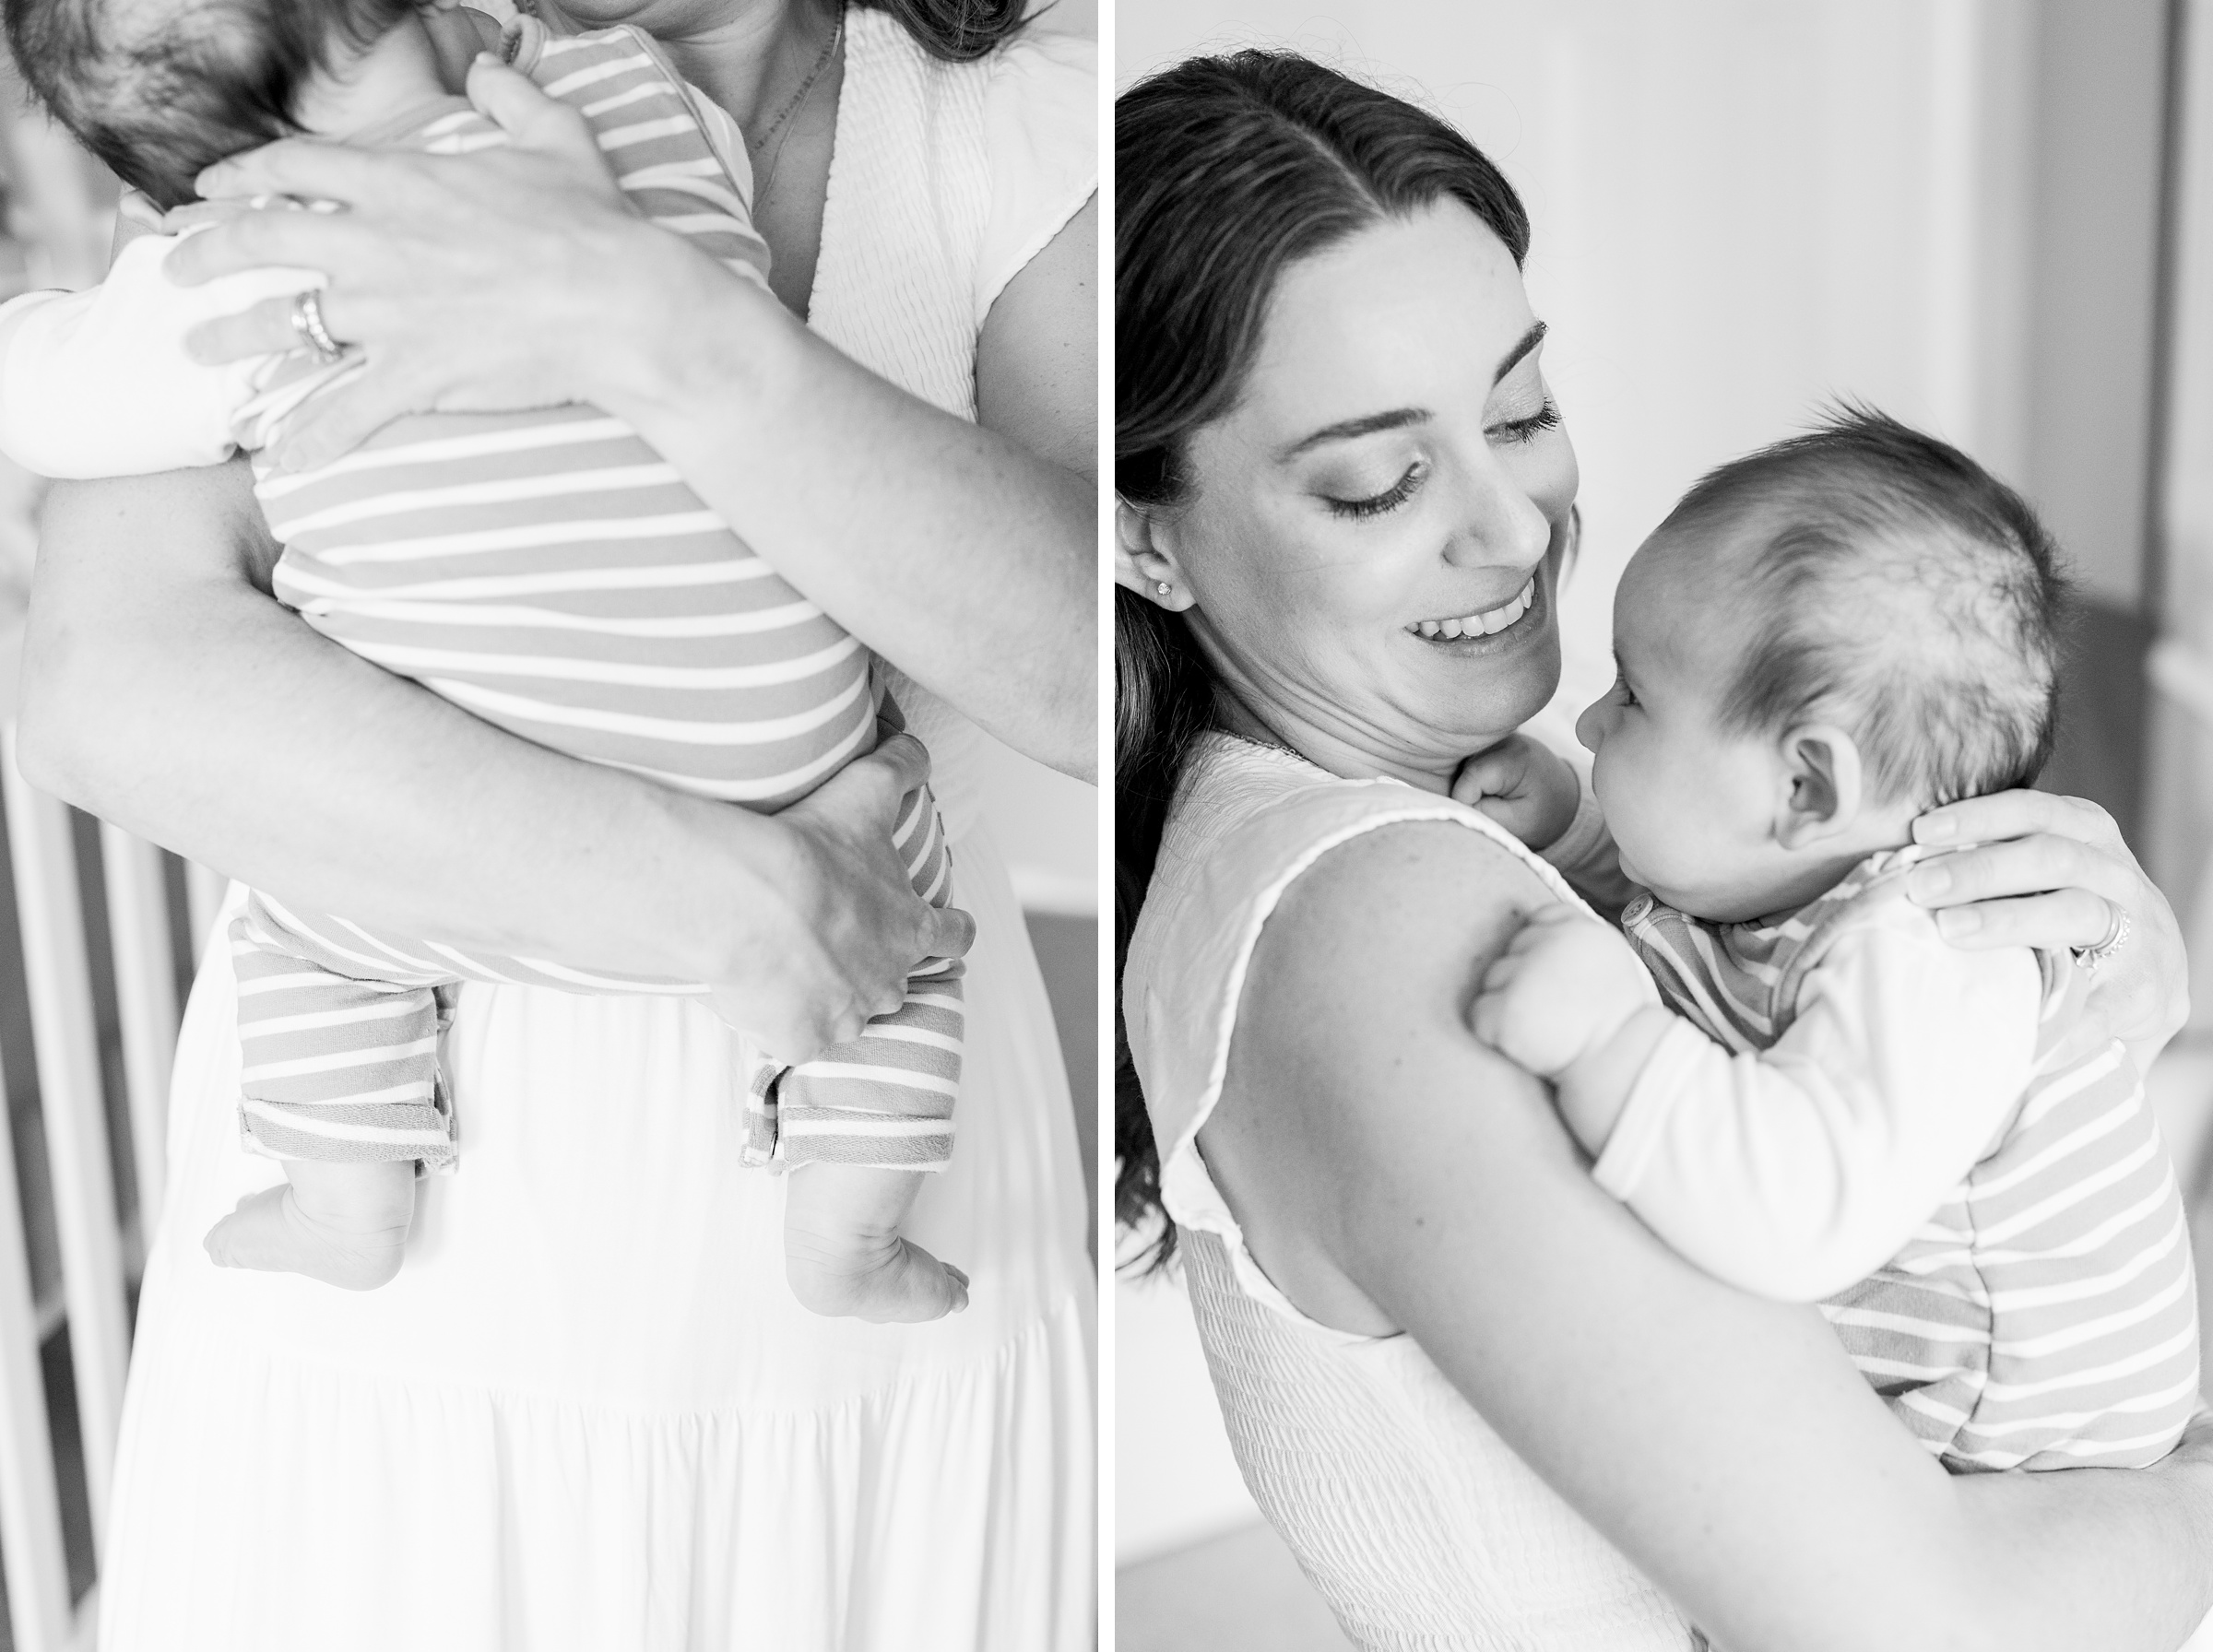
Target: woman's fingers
x,y
512,102
2065,917
2024,866
305,167
902,760
277,235
333,425
264,330
951,933
2017,814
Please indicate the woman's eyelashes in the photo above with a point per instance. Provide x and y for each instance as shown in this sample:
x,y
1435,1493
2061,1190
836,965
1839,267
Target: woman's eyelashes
x,y
1512,430
1527,430
1376,505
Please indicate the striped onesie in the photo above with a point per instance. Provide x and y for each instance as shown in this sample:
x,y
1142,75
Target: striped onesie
x,y
2043,1314
550,572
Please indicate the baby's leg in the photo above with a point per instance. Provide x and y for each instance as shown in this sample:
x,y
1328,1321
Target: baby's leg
x,y
339,1079
861,1123
344,1224
844,1254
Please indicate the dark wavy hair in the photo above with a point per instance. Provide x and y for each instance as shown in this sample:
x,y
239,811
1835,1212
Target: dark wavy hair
x,y
158,96
1227,171
957,30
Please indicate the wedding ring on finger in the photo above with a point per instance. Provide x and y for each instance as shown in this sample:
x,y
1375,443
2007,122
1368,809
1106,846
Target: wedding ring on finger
x,y
2094,959
307,320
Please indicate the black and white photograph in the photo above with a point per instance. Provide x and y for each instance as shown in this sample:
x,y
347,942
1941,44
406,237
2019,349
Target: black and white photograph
x,y
547,963
1663,564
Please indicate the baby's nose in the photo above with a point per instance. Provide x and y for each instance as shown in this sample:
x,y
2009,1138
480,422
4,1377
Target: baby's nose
x,y
1590,727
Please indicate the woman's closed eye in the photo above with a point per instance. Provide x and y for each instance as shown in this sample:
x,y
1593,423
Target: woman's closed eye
x,y
1376,505
1623,695
1527,430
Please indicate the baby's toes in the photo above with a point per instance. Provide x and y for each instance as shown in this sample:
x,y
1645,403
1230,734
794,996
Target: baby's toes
x,y
903,1285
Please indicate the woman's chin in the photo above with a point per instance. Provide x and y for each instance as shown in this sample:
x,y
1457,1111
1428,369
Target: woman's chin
x,y
1499,682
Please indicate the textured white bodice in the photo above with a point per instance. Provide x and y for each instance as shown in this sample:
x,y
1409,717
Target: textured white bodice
x,y
1418,1524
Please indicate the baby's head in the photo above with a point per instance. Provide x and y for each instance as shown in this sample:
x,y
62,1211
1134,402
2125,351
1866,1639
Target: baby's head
x,y
1824,639
160,88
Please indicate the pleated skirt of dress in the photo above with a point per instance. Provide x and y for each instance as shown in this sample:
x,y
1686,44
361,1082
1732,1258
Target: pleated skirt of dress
x,y
588,1414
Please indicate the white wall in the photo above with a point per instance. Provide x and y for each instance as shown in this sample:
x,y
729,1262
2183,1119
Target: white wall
x,y
1740,209
2181,812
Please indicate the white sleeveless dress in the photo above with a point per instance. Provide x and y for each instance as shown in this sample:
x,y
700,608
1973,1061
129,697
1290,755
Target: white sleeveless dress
x,y
588,1414
1417,1522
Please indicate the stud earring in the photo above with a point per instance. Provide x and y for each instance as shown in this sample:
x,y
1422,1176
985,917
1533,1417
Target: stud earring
x,y
1163,587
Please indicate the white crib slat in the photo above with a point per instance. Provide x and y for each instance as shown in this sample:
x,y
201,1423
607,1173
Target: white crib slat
x,y
76,1132
31,1509
204,893
146,1000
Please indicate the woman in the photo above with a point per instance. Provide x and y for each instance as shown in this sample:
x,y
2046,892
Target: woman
x,y
588,1414
1485,1407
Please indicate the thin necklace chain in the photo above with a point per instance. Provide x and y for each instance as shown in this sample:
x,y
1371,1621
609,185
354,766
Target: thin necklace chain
x,y
791,104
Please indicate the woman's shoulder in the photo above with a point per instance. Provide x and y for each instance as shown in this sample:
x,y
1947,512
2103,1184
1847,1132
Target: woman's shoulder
x,y
1250,820
1016,129
1375,863
1041,140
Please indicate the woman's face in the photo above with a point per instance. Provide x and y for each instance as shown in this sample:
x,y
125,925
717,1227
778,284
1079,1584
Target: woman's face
x,y
1367,538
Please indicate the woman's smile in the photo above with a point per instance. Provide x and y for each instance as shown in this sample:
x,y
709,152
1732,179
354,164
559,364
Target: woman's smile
x,y
1490,629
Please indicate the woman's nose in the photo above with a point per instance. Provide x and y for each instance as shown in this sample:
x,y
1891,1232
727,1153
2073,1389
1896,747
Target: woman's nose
x,y
1500,525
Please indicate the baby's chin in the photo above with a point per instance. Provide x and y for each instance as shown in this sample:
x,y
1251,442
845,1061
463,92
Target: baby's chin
x,y
1709,905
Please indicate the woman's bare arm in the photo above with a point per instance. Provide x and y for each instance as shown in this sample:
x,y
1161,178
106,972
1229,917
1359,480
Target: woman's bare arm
x,y
166,690
1391,1172
965,557
967,554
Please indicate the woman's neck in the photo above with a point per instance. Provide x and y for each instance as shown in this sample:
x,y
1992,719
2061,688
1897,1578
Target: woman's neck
x,y
1329,742
749,55
771,66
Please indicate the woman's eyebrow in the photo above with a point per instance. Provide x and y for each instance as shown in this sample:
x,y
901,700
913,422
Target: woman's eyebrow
x,y
1367,424
1344,429
1528,342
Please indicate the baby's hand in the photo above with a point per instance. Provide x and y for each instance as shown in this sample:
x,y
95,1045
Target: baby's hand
x,y
1564,985
1522,785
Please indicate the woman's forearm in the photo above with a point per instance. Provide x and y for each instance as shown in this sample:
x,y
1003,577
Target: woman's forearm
x,y
1368,1145
967,562
2035,1532
164,692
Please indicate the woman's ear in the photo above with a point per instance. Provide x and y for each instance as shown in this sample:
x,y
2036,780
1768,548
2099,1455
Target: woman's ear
x,y
1825,786
1144,558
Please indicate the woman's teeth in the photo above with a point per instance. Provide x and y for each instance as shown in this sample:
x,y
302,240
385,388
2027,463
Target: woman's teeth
x,y
1484,624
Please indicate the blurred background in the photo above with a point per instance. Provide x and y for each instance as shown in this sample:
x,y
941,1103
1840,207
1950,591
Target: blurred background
x,y
99,936
1993,218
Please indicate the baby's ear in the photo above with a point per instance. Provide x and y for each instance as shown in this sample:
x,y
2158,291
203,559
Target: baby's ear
x,y
1825,786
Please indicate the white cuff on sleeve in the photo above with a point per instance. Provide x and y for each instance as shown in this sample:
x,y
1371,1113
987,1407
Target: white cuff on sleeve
x,y
1643,1120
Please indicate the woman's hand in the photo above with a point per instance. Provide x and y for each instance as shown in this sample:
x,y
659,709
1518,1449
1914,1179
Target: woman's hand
x,y
2053,872
502,279
855,928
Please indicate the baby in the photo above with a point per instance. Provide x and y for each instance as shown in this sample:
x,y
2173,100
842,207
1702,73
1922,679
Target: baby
x,y
545,570
1823,641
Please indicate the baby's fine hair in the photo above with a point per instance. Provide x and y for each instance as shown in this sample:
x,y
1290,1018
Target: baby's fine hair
x,y
1895,588
160,88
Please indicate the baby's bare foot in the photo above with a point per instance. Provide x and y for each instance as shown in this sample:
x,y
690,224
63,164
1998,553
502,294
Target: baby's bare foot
x,y
346,1225
887,1281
